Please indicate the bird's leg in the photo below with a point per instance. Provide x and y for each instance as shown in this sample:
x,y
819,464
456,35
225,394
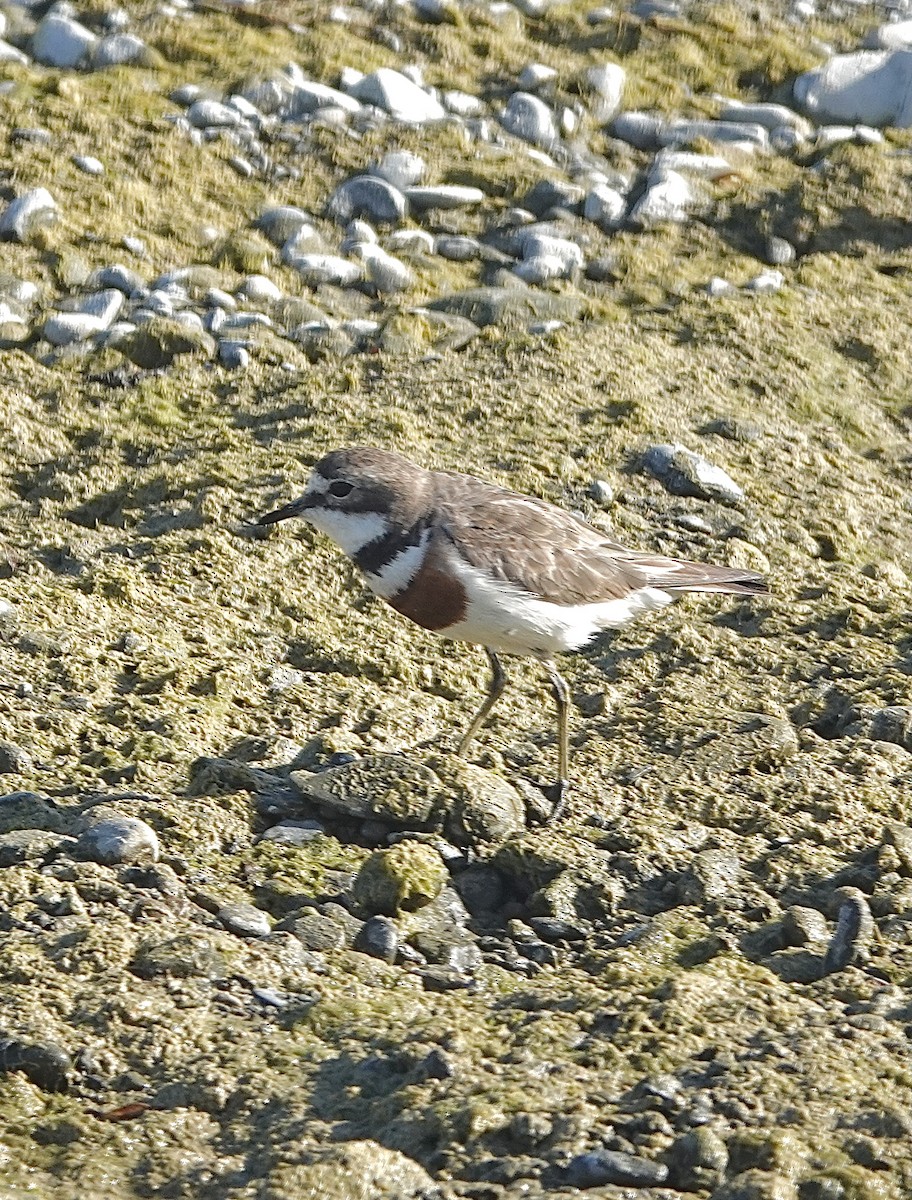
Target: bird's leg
x,y
495,691
557,793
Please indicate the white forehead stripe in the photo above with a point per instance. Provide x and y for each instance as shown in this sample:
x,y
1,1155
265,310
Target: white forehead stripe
x,y
349,530
395,577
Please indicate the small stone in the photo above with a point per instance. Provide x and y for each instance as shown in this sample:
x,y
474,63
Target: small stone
x,y
282,222
367,196
396,94
536,75
605,206
385,272
684,473
698,1160
711,876
61,41
245,920
457,248
208,114
14,759
641,130
233,355
403,878
27,214
309,97
259,289
803,926
443,197
31,845
158,341
607,81
602,270
11,54
294,833
667,200
508,307
854,930
379,938
529,118
867,86
185,956
318,932
115,840
315,269
601,1167
765,283
89,164
717,286
745,133
400,168
120,50
46,1065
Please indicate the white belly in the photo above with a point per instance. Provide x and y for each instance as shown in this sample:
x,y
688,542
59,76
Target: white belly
x,y
505,617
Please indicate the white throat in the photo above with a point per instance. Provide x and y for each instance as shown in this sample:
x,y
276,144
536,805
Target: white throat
x,y
350,531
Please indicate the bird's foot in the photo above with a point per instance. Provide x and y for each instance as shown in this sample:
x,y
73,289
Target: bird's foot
x,y
556,794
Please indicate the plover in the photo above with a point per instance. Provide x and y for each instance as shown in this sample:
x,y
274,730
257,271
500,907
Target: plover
x,y
475,562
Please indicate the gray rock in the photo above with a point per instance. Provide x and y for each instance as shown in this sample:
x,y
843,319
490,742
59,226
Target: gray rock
x,y
282,222
536,75
444,197
14,759
457,248
684,473
120,50
869,86
711,876
639,129
294,833
27,214
233,355
508,307
385,272
65,329
667,200
601,1167
317,932
61,41
245,920
387,787
745,133
531,119
396,94
309,97
31,845
379,938
698,1160
605,206
553,194
770,116
27,810
607,82
315,269
115,840
803,926
401,168
88,164
540,268
367,196
185,956
212,114
779,252
542,245
45,1064
854,930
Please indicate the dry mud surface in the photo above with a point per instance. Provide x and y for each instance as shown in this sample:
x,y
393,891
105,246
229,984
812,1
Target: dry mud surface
x,y
705,966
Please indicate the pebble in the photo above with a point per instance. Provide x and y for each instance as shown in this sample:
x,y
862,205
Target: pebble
x,y
14,759
401,168
27,213
206,114
641,130
45,1064
367,196
396,94
607,81
282,222
115,840
294,833
379,938
529,118
601,1167
315,269
605,206
119,50
536,75
89,164
873,87
385,272
765,283
457,248
443,197
667,200
684,473
309,97
61,41
245,920
854,930
233,355
403,878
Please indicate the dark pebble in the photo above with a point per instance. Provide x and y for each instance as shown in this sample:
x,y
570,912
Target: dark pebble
x,y
46,1065
379,938
443,979
601,1167
552,929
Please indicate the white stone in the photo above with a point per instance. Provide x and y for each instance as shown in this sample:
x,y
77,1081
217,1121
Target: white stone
x,y
605,206
666,200
444,197
309,97
463,104
12,54
607,81
119,839
705,166
118,50
639,129
895,36
62,329
680,132
207,114
529,118
718,286
412,241
540,268
324,268
61,41
37,207
401,168
539,245
259,288
396,94
536,75
765,283
770,116
871,87
386,273
86,162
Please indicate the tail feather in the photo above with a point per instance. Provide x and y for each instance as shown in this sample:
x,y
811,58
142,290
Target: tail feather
x,y
675,575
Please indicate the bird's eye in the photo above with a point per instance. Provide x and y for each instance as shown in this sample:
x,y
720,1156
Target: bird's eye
x,y
340,488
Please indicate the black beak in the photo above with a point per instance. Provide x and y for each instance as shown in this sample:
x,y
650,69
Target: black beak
x,y
294,509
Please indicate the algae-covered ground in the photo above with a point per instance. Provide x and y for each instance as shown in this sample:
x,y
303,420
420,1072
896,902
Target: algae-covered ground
x,y
737,764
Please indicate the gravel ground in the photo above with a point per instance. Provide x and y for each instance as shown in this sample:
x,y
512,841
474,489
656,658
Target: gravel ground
x,y
261,935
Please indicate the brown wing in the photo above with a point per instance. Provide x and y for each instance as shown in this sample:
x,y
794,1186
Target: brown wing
x,y
552,554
